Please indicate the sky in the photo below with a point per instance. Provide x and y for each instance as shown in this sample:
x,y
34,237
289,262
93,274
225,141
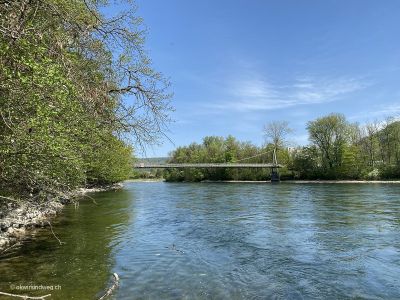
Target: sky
x,y
235,65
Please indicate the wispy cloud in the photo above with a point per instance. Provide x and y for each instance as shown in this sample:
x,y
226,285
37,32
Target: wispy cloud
x,y
258,94
378,112
391,110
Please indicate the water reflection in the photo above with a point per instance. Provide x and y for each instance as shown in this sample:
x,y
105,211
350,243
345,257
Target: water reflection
x,y
223,241
82,264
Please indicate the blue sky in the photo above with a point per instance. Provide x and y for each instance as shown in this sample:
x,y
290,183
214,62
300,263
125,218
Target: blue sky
x,y
236,65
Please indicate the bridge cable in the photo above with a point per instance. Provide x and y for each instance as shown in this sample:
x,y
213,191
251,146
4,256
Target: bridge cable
x,y
254,155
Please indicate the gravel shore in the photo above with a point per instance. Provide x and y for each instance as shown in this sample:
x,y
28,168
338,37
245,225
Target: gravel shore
x,y
307,181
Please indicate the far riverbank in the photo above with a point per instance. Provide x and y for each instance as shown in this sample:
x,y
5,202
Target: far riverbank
x,y
301,181
145,180
313,181
267,181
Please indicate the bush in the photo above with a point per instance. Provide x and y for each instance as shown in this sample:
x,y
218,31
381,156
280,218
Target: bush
x,y
110,163
390,172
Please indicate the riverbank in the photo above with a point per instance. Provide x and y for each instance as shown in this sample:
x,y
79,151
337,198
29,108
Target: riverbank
x,y
282,181
145,180
306,181
17,217
343,181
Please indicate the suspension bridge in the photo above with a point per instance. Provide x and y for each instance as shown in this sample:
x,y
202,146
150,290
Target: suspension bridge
x,y
274,166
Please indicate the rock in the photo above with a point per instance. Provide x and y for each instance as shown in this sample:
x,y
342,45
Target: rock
x,y
19,232
3,243
4,225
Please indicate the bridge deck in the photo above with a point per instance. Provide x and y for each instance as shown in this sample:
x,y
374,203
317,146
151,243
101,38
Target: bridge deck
x,y
204,165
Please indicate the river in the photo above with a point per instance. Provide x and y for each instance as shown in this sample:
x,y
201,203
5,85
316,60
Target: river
x,y
218,241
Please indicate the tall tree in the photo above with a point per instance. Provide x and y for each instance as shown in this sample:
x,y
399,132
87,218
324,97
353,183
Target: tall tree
x,y
369,142
330,135
276,132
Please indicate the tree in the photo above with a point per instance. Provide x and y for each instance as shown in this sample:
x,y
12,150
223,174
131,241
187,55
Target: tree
x,y
349,168
330,134
219,150
276,132
370,143
73,83
305,162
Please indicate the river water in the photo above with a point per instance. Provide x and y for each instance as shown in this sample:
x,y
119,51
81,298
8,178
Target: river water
x,y
218,241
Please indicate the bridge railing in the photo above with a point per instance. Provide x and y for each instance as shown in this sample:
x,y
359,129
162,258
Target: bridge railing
x,y
205,165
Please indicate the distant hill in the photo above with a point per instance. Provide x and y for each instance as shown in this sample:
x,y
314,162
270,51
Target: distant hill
x,y
146,173
153,160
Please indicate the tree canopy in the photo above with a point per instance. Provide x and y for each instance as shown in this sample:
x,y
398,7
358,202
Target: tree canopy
x,y
76,89
216,149
338,149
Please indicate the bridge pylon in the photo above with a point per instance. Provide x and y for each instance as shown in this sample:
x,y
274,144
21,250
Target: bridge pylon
x,y
274,170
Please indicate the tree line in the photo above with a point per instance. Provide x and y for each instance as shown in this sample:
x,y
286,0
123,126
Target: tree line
x,y
77,89
338,149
